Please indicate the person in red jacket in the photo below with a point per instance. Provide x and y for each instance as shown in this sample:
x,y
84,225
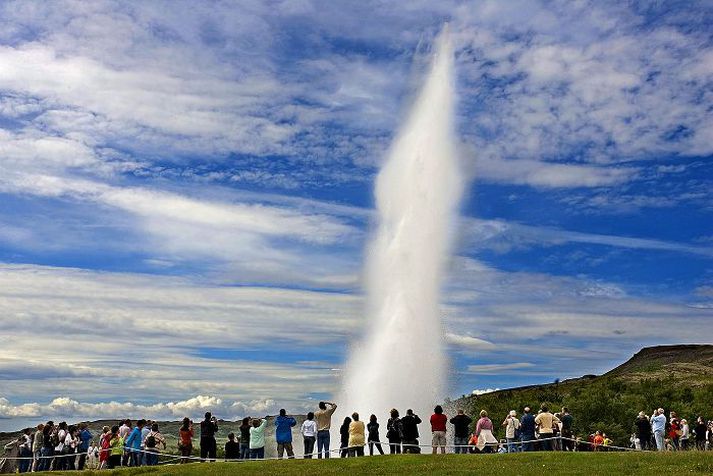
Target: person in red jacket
x,y
438,428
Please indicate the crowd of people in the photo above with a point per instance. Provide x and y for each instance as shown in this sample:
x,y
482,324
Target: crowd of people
x,y
68,447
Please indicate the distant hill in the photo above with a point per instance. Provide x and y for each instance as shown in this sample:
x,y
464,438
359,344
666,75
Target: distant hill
x,y
675,377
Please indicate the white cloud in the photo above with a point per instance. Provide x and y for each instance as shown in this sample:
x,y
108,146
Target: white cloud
x,y
494,369
193,407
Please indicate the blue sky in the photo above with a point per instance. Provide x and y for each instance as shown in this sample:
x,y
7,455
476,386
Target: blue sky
x,y
186,193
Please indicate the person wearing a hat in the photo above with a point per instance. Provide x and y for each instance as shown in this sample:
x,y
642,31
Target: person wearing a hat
x,y
512,425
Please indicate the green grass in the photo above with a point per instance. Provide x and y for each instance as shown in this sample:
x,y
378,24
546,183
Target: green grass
x,y
518,464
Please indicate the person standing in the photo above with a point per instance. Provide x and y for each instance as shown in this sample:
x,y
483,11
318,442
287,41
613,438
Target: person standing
x,y
409,430
47,450
104,449
393,432
658,426
356,436
133,443
438,430
283,434
25,451
124,431
152,442
461,424
232,448
116,448
344,437
544,421
85,437
209,427
685,434
567,435
675,431
527,430
309,435
373,429
144,434
185,439
245,438
257,438
643,431
484,432
512,425
37,443
323,417
700,432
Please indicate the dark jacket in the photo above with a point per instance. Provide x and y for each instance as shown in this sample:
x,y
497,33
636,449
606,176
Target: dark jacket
x,y
344,434
393,429
527,424
232,450
461,424
373,429
643,428
409,427
208,429
245,434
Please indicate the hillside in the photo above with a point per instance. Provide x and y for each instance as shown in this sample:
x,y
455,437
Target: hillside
x,y
677,377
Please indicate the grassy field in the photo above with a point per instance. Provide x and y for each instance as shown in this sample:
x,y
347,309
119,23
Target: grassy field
x,y
519,464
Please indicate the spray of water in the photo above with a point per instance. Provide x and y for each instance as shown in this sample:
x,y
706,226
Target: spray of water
x,y
401,361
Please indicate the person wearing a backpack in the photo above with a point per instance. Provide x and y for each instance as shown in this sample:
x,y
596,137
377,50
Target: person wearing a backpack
x,y
393,432
152,444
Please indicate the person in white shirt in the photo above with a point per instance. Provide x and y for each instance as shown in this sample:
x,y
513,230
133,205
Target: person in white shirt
x,y
658,425
309,434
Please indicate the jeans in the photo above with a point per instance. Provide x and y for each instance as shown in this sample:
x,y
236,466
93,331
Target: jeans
x,y
658,435
244,451
24,464
546,444
460,442
512,445
309,446
394,446
151,458
323,443
257,453
529,446
47,460
282,447
136,458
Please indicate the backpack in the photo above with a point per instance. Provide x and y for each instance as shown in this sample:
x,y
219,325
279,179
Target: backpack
x,y
150,441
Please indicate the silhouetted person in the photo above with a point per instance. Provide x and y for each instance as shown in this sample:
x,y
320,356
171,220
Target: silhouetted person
x,y
393,432
409,430
209,427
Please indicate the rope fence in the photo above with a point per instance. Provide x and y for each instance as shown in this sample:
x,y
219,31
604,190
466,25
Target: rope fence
x,y
170,458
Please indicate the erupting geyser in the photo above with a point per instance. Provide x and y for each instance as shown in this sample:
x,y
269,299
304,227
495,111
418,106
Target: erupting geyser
x,y
401,360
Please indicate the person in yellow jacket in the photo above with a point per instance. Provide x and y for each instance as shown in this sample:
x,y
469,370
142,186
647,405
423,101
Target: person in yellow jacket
x,y
357,440
116,448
